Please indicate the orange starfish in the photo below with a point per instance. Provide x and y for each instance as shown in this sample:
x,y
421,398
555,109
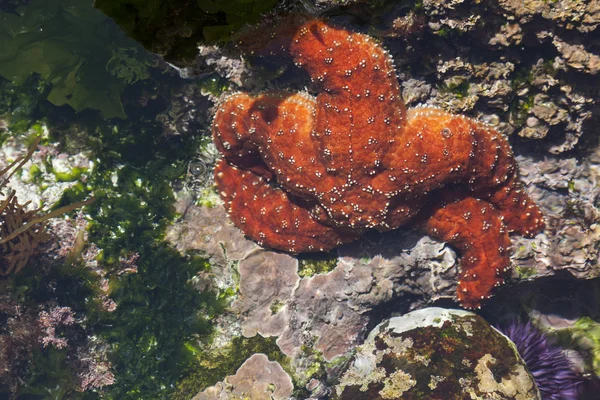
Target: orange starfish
x,y
305,174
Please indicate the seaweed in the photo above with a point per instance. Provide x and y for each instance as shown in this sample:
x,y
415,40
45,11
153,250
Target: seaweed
x,y
22,230
76,52
160,331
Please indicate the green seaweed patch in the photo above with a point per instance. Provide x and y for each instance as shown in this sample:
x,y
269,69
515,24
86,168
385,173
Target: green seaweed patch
x,y
520,108
316,263
81,58
77,192
35,174
276,306
51,377
449,33
213,84
159,313
590,329
69,176
583,336
208,197
315,367
459,87
522,77
212,366
19,104
525,272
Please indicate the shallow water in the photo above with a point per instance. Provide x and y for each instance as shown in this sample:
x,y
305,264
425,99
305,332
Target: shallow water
x,y
152,292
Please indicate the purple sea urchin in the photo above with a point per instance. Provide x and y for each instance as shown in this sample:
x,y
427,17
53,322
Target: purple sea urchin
x,y
547,362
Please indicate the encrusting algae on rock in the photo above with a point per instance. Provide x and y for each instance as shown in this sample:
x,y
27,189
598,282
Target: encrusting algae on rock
x,y
436,354
303,174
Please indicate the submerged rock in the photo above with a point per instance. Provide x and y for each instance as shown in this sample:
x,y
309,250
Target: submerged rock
x,y
436,353
257,379
326,311
566,189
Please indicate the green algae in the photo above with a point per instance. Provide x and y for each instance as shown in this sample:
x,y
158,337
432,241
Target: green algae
x,y
213,366
214,84
525,272
76,53
317,263
19,104
584,336
590,329
158,311
51,377
460,88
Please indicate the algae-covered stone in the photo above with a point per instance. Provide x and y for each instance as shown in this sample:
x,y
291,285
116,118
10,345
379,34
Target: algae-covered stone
x,y
257,379
436,353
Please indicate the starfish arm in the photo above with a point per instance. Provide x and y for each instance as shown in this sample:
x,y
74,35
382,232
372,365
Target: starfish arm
x,y
268,216
361,111
276,129
440,148
494,176
521,214
435,150
230,131
314,173
476,229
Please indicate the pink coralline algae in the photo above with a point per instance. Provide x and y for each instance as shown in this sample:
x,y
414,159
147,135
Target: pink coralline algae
x,y
303,174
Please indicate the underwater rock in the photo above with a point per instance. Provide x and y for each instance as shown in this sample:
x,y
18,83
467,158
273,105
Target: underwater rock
x,y
267,284
207,230
257,379
556,76
566,190
332,310
328,310
436,353
570,14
